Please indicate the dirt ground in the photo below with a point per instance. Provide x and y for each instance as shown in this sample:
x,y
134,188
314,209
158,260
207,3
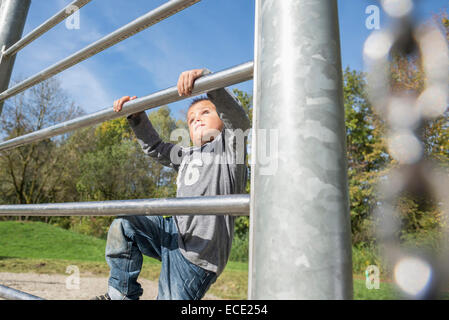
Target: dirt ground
x,y
54,287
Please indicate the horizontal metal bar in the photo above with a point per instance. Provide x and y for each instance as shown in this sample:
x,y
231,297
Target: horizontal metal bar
x,y
204,84
164,11
13,294
234,205
46,26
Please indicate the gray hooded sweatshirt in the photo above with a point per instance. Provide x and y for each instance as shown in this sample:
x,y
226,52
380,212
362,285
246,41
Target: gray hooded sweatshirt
x,y
216,168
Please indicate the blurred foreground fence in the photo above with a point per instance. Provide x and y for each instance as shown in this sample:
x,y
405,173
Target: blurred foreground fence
x,y
418,273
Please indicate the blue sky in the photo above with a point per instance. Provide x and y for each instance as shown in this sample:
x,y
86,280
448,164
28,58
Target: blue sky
x,y
216,34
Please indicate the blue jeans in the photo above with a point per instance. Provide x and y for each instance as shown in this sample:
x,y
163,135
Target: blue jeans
x,y
157,237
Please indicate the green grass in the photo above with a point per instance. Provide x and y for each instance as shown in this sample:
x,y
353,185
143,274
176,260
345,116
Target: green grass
x,y
386,291
42,248
37,240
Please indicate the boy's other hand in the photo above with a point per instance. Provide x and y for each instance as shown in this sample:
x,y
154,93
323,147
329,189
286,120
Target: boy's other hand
x,y
186,80
118,104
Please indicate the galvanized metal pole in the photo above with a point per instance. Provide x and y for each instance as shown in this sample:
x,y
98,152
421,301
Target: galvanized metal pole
x,y
13,294
234,205
13,14
300,227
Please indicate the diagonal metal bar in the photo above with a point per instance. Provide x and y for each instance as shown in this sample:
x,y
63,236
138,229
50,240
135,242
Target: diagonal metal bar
x,y
235,205
204,84
13,294
46,26
13,14
164,11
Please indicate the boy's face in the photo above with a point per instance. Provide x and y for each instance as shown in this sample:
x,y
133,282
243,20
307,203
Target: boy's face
x,y
204,122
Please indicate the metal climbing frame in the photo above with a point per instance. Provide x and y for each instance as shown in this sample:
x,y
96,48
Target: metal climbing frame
x,y
207,83
299,201
235,205
13,294
164,11
12,20
44,27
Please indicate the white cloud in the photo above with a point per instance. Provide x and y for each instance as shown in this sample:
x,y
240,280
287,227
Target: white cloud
x,y
86,89
159,55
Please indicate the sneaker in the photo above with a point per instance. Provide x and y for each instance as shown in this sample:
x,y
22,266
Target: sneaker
x,y
102,297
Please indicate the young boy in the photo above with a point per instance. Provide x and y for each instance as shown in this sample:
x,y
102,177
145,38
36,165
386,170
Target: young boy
x,y
193,249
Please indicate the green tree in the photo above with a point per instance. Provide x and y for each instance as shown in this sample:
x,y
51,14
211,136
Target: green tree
x,y
30,174
115,168
247,102
366,153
